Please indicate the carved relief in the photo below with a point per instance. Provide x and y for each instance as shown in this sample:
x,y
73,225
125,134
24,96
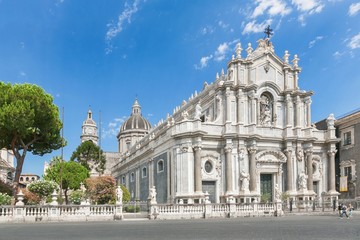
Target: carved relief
x,y
299,154
302,181
271,156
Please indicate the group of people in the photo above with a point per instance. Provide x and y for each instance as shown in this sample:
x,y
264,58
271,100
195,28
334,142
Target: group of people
x,y
345,210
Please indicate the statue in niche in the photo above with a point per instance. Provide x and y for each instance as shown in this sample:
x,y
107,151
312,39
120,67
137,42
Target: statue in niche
x,y
230,75
303,181
245,178
265,111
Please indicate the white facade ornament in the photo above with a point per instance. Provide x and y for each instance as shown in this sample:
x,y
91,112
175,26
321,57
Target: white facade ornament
x,y
303,181
238,50
217,75
230,73
286,57
330,121
185,115
245,178
249,50
152,195
198,110
265,111
300,154
277,192
119,195
296,61
222,72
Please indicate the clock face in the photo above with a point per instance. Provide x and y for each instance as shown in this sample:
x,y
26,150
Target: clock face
x,y
89,131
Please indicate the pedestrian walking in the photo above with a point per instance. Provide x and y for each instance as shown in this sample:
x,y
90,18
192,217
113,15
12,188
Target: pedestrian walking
x,y
340,209
351,209
344,211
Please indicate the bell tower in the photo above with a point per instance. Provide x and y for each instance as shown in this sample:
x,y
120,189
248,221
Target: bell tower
x,y
89,130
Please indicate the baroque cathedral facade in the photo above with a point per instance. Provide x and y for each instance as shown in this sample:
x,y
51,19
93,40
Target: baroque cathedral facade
x,y
246,135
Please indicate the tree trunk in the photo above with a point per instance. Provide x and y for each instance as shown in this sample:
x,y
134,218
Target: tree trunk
x,y
19,165
66,196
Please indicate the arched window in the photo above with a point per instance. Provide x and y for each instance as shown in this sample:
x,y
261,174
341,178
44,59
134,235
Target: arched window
x,y
132,177
27,179
160,165
123,181
144,172
33,179
21,179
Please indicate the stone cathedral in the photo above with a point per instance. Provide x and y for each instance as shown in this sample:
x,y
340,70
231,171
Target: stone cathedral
x,y
246,135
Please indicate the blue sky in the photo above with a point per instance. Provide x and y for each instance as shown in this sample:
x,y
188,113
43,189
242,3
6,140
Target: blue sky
x,y
105,53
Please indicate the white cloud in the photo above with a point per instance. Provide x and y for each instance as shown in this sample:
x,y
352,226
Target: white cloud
x,y
23,74
253,27
271,7
124,17
307,7
337,54
312,43
203,62
113,127
354,9
222,24
311,6
218,55
221,51
354,42
207,30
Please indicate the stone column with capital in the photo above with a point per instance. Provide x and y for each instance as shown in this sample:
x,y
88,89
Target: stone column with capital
x,y
253,107
297,109
309,156
288,111
229,169
151,172
289,168
331,177
252,166
197,169
228,104
308,111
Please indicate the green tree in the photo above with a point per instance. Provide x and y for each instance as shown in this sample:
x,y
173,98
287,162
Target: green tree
x,y
29,122
90,156
70,174
126,193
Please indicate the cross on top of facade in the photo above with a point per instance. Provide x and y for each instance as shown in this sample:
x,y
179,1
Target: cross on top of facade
x,y
268,32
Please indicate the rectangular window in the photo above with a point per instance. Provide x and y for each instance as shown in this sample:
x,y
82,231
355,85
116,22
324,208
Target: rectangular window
x,y
347,138
347,171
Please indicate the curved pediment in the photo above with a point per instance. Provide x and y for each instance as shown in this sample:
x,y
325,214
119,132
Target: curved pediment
x,y
270,156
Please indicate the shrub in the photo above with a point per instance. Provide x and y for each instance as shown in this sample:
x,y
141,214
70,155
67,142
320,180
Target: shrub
x,y
77,196
30,198
132,209
43,188
6,188
126,193
265,197
101,190
5,199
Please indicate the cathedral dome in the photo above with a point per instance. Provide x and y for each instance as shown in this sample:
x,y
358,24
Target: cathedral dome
x,y
136,121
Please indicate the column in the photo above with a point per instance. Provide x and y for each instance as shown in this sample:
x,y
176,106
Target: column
x,y
308,111
309,156
289,168
228,169
331,177
240,105
197,169
151,173
252,168
228,105
288,110
252,107
298,103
